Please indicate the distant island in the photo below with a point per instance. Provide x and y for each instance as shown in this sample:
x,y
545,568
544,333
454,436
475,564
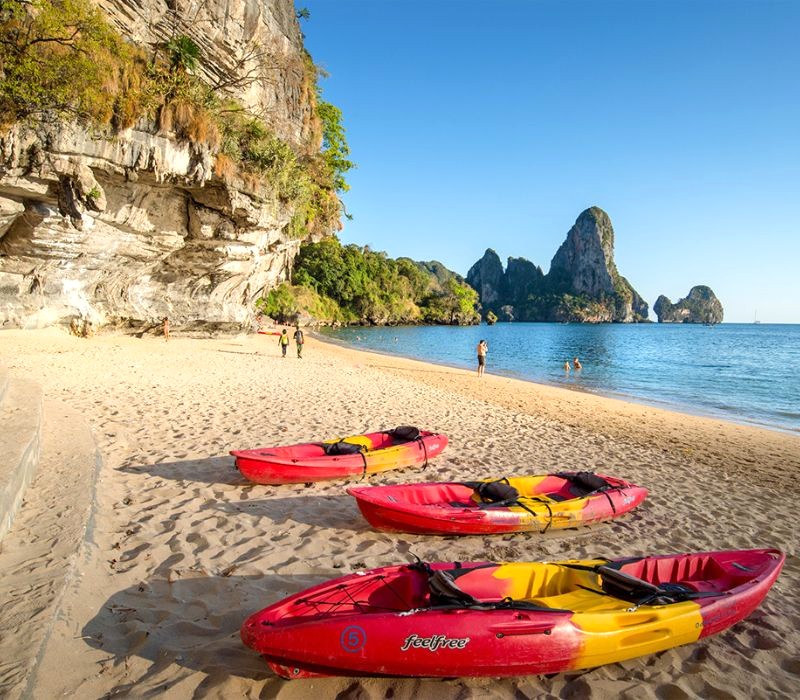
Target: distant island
x,y
583,284
347,284
699,306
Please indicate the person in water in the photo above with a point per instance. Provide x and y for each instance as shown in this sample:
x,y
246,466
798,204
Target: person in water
x,y
283,341
566,367
483,348
299,340
576,363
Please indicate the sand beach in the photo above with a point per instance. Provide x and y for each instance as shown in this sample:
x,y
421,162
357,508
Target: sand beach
x,y
175,548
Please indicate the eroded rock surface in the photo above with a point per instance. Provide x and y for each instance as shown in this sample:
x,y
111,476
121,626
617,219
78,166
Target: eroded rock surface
x,y
135,226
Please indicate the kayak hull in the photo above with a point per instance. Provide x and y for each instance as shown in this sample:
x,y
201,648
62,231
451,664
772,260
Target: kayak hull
x,y
308,462
449,508
381,623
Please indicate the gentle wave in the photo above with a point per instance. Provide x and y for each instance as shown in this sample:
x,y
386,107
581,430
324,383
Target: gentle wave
x,y
740,372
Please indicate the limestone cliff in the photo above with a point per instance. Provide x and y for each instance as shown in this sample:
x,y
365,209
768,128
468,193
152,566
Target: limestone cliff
x,y
582,285
486,278
522,280
253,48
699,306
138,224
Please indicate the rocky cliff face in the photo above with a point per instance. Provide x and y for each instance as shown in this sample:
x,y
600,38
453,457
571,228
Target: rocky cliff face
x,y
138,226
522,280
699,306
252,47
486,278
584,263
583,283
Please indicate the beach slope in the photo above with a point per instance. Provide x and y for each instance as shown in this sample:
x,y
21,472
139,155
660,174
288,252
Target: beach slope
x,y
180,549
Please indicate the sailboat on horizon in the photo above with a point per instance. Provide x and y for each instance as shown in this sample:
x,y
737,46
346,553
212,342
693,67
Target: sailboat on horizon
x,y
755,317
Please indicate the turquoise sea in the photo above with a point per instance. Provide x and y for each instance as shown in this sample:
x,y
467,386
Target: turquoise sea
x,y
748,373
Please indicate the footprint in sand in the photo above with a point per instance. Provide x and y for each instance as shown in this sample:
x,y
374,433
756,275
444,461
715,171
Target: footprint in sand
x,y
670,691
792,665
763,641
131,554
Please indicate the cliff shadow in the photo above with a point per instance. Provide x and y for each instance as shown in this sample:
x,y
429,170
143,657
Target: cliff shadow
x,y
319,510
189,622
211,470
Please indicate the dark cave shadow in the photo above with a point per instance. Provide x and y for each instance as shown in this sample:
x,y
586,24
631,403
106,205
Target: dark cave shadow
x,y
211,470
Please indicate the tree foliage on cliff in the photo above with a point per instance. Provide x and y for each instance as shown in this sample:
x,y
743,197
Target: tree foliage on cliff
x,y
367,286
60,60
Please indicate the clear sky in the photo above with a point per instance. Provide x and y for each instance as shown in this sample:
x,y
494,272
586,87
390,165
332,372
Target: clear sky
x,y
494,123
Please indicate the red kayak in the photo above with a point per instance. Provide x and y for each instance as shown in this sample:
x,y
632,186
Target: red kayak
x,y
356,455
484,619
516,504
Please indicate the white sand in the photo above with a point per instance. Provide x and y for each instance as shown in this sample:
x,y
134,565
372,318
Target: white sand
x,y
181,549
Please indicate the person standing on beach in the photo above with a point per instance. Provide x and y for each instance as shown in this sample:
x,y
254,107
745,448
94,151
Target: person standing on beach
x,y
283,341
483,348
165,325
299,340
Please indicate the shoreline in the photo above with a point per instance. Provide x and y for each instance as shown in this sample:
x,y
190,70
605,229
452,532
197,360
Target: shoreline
x,y
182,549
681,409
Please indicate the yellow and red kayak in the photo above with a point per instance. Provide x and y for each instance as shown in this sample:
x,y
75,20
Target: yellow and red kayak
x,y
516,504
484,619
356,455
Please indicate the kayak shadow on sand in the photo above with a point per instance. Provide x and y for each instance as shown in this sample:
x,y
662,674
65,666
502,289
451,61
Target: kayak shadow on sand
x,y
211,470
320,510
191,622
342,513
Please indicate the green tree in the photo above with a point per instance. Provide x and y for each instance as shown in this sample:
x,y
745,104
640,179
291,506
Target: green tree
x,y
335,150
279,304
59,59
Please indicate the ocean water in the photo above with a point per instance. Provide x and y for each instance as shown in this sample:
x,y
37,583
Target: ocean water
x,y
748,373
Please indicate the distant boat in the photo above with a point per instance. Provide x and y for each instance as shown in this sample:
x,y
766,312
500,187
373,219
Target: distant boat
x,y
755,318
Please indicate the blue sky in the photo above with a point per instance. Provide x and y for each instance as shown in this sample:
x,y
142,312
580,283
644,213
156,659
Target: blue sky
x,y
494,123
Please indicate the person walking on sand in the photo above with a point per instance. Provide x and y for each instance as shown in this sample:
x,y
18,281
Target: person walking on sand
x,y
165,326
298,339
576,363
283,341
483,348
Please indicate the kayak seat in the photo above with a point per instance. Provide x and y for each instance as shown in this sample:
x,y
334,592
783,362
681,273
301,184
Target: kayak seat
x,y
343,447
353,444
445,591
584,483
618,584
499,491
403,433
557,497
